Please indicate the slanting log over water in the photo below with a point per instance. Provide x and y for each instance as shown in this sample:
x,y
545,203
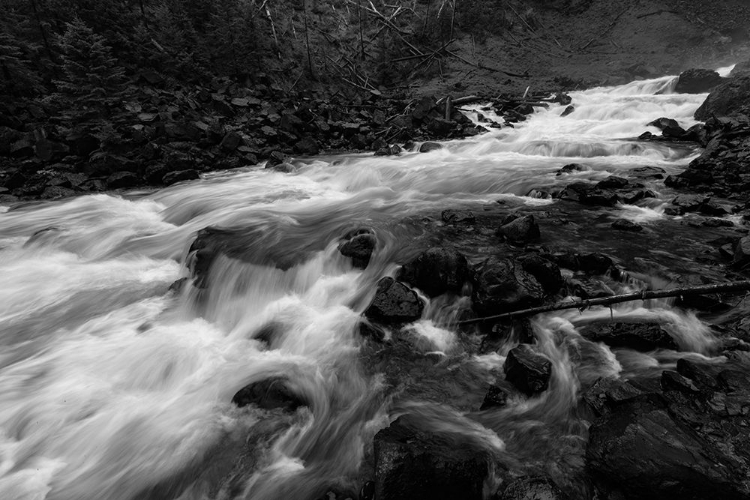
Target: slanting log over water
x,y
738,286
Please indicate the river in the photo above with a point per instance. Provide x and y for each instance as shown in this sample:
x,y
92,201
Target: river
x,y
114,387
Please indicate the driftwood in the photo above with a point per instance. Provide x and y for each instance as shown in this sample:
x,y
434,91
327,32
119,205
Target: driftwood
x,y
737,286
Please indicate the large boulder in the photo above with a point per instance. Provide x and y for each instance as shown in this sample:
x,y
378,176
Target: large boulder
x,y
394,303
420,465
641,448
697,81
546,272
501,286
437,270
359,245
730,98
637,336
528,370
520,230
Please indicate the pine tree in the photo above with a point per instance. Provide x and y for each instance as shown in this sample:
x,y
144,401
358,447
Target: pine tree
x,y
17,75
91,72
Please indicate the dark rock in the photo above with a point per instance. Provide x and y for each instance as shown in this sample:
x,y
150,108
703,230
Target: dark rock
x,y
532,488
562,98
500,286
458,217
546,272
394,302
741,255
711,207
528,370
440,127
307,146
594,263
662,123
703,375
156,172
689,202
586,193
179,176
521,230
423,107
393,150
178,285
568,110
122,180
496,397
421,465
647,172
15,181
22,148
429,146
436,271
51,151
730,98
697,81
612,182
571,167
673,381
231,141
680,465
677,133
367,492
269,394
56,192
638,336
371,331
626,225
359,247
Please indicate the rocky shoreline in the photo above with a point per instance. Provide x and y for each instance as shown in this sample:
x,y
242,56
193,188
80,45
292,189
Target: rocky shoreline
x,y
157,133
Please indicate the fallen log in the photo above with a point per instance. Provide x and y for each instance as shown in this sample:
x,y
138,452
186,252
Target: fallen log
x,y
737,286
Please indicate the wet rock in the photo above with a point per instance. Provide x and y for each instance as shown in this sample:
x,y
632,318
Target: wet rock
x,y
15,181
521,230
393,150
500,286
638,336
697,81
590,195
647,172
269,394
626,225
56,192
712,207
570,168
394,303
48,151
562,98
456,217
421,465
178,285
594,263
429,146
613,182
368,330
703,375
528,370
496,397
689,202
122,180
730,98
436,271
680,465
359,245
367,492
568,110
179,176
531,488
662,123
546,272
673,381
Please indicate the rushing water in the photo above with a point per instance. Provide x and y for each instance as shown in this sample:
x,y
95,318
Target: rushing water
x,y
113,387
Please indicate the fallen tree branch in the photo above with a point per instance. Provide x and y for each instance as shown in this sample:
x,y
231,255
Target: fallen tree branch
x,y
737,286
482,66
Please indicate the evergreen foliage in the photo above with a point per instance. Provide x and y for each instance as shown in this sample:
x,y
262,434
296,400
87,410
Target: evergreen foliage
x,y
90,70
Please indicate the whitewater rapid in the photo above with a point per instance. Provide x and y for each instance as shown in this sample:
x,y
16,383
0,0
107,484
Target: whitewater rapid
x,y
113,387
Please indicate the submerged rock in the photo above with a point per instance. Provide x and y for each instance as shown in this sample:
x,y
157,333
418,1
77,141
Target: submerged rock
x,y
436,271
496,397
458,217
394,302
269,394
626,225
570,168
528,370
417,465
638,336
